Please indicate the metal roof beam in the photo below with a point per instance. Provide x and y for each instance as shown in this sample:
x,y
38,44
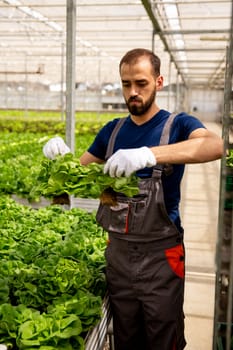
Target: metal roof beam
x,y
198,61
205,68
191,2
197,49
196,75
195,31
79,5
157,30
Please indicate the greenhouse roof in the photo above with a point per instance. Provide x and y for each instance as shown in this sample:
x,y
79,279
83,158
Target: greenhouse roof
x,y
190,37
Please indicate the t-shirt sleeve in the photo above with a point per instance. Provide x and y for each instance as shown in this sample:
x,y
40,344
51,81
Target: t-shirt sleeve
x,y
186,124
99,146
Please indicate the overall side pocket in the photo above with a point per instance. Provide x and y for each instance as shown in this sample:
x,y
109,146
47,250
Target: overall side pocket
x,y
114,218
126,216
176,259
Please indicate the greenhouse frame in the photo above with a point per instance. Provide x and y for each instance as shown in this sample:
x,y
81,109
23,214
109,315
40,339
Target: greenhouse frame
x,y
63,56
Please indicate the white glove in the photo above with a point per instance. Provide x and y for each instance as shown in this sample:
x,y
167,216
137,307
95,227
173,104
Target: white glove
x,y
127,161
3,347
55,146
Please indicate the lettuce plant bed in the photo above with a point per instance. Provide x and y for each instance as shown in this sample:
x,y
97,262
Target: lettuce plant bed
x,y
52,282
43,202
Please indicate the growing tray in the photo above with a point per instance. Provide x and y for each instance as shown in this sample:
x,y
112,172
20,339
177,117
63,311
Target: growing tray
x,y
96,338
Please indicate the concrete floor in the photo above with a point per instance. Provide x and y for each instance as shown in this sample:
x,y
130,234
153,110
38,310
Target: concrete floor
x,y
199,212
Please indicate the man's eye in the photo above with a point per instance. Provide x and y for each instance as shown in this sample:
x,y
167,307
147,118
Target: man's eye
x,y
142,83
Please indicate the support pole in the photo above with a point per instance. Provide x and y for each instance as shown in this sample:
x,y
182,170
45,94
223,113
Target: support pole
x,y
169,85
177,105
62,82
70,72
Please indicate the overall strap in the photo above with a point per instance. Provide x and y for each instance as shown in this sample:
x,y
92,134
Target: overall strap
x,y
166,129
113,136
164,139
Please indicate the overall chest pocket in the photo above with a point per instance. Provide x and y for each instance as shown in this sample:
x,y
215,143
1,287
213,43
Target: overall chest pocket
x,y
127,216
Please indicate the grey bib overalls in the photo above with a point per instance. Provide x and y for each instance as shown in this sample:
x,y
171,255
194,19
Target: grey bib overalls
x,y
145,267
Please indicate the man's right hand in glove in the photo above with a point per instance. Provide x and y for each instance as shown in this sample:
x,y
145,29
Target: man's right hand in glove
x,y
54,147
126,161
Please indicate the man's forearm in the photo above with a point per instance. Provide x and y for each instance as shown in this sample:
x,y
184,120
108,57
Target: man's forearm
x,y
194,150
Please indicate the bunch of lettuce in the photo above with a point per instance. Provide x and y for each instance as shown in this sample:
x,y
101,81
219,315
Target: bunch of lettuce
x,y
65,174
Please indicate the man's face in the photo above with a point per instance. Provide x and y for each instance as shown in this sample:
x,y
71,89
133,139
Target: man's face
x,y
139,86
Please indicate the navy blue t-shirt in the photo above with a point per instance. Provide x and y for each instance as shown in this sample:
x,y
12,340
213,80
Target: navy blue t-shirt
x,y
148,134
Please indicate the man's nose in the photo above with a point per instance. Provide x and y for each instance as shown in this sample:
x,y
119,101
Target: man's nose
x,y
133,91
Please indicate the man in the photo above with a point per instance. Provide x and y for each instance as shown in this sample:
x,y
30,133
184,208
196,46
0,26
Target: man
x,y
145,254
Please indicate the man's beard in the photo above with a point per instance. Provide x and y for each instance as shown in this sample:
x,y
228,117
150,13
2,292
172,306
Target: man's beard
x,y
141,108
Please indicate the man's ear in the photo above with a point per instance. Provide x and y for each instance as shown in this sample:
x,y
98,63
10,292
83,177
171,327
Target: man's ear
x,y
159,83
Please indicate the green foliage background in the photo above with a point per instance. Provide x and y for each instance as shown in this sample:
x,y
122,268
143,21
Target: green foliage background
x,y
22,139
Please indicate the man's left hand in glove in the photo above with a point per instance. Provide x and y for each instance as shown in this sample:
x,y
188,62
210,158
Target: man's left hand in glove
x,y
126,161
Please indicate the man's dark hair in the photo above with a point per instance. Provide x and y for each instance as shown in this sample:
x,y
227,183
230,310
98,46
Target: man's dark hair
x,y
134,55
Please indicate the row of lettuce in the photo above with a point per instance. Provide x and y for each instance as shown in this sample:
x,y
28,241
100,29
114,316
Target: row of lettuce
x,y
52,276
52,280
